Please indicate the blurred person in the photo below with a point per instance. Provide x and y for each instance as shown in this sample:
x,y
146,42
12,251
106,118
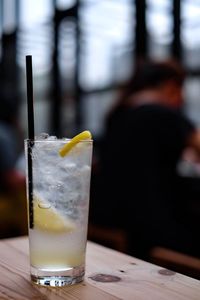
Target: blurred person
x,y
137,187
10,146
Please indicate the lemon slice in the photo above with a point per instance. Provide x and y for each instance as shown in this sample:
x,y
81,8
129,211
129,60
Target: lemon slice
x,y
85,135
47,218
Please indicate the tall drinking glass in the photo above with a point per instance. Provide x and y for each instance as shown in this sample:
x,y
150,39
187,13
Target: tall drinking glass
x,y
58,201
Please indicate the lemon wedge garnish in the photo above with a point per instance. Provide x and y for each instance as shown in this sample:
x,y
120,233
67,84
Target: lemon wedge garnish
x,y
47,218
85,135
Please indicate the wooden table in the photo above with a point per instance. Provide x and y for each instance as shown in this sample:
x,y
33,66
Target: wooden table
x,y
109,275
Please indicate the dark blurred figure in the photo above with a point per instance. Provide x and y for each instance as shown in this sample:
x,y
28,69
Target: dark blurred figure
x,y
137,187
11,145
13,215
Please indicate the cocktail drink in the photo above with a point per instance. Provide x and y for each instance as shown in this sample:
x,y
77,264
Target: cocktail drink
x,y
58,209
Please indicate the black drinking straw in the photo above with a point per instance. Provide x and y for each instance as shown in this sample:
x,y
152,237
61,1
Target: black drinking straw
x,y
31,134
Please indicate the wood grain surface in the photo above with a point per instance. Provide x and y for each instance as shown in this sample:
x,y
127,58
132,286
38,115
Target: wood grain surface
x,y
109,275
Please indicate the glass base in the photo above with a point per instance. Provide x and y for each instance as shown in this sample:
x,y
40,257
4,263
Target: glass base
x,y
57,278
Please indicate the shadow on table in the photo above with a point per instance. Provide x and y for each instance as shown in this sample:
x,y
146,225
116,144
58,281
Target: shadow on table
x,y
167,258
13,214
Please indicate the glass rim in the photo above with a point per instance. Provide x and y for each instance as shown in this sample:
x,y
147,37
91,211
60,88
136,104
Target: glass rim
x,y
56,140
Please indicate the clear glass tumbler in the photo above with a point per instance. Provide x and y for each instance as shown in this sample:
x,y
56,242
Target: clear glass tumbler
x,y
58,203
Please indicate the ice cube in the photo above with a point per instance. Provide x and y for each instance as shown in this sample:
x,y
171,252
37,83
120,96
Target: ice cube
x,y
52,138
42,136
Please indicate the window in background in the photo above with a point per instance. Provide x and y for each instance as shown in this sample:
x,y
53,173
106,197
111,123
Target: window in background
x,y
1,27
35,33
8,20
67,52
8,15
67,43
107,51
63,4
107,47
107,29
67,65
35,37
190,36
190,40
159,22
192,92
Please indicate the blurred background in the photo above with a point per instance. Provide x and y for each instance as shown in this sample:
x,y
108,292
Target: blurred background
x,y
83,52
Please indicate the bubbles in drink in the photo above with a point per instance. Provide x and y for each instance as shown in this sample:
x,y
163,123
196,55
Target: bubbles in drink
x,y
62,182
44,205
